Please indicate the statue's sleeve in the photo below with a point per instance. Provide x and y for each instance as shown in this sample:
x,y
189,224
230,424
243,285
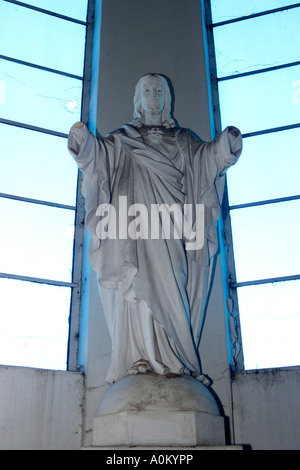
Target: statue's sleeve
x,y
227,149
211,160
90,153
208,163
222,152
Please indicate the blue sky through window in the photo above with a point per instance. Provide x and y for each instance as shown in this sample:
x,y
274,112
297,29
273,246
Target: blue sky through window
x,y
266,237
39,98
266,41
223,10
42,40
72,8
38,239
38,166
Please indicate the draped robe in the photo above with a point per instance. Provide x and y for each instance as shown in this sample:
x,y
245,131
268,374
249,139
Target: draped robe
x,y
153,291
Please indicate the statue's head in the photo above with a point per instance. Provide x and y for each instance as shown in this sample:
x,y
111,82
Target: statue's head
x,y
153,96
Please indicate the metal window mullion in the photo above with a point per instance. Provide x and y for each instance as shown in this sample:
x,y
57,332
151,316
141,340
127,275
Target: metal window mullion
x,y
29,127
73,345
40,67
232,303
37,201
38,280
256,282
233,326
264,202
271,130
47,12
259,71
212,65
87,63
254,15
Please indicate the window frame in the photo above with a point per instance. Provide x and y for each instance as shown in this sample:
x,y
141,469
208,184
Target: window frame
x,y
75,283
225,228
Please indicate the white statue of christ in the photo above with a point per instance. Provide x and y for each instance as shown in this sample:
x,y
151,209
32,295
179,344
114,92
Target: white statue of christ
x,y
153,288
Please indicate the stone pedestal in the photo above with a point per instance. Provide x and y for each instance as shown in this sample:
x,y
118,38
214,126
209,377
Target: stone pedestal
x,y
153,410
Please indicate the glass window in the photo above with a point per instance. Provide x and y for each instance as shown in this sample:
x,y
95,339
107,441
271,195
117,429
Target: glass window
x,y
265,237
37,240
53,172
239,45
268,168
34,324
223,10
39,98
71,8
262,101
270,322
54,34
266,240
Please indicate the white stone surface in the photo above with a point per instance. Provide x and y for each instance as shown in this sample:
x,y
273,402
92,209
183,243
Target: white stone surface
x,y
164,428
154,280
153,392
266,406
149,409
40,409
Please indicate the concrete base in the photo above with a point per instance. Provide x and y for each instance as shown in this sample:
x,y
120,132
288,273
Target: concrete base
x,y
153,410
163,428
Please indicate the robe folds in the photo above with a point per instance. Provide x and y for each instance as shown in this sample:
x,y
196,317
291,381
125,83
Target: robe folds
x,y
153,290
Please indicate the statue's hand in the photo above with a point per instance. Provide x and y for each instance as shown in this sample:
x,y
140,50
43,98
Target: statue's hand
x,y
76,137
233,131
78,124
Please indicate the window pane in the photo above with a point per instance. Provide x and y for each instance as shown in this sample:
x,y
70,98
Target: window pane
x,y
262,42
72,8
223,10
262,101
270,324
39,98
268,168
36,240
34,324
42,39
37,166
266,240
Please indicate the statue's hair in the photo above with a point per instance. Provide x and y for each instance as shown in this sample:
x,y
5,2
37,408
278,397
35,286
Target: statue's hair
x,y
138,114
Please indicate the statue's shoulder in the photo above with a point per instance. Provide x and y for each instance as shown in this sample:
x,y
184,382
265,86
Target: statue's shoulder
x,y
116,134
127,130
187,132
185,135
117,131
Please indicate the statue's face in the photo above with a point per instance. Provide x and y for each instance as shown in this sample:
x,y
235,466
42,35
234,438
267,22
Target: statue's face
x,y
153,94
